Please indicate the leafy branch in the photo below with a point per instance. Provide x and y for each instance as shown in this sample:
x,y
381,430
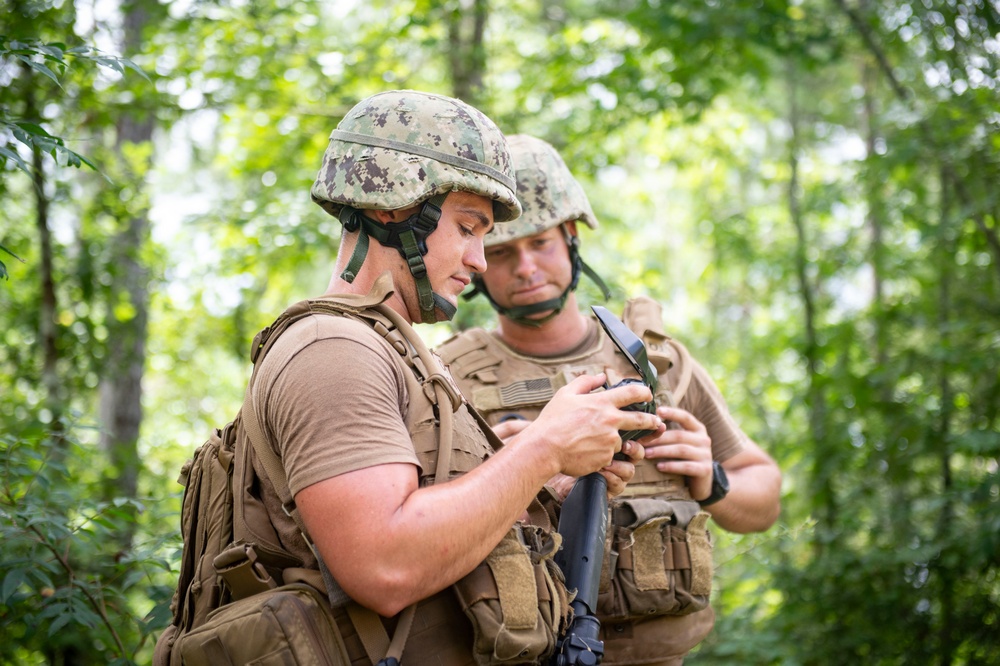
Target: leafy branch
x,y
49,60
96,603
47,530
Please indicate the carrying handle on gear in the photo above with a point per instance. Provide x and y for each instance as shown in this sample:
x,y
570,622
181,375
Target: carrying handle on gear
x,y
367,623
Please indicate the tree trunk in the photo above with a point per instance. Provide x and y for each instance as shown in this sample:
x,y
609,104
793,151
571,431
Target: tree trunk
x,y
822,467
49,303
121,383
467,55
945,537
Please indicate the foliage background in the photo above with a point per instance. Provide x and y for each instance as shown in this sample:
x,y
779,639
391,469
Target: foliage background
x,y
809,187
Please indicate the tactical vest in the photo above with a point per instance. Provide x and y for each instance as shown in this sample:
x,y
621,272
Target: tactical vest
x,y
500,383
449,439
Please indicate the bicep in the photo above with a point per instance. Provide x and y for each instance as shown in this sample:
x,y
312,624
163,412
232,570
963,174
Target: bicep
x,y
349,515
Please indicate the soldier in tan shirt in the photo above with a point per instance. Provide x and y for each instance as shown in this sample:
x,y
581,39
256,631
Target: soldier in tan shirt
x,y
704,464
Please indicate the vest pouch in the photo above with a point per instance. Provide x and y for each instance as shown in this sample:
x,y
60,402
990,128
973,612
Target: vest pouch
x,y
661,560
516,600
285,626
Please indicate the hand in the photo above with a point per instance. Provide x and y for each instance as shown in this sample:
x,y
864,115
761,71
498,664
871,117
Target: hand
x,y
579,428
620,472
686,450
617,474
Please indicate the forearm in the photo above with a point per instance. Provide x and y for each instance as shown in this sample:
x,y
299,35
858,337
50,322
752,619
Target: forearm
x,y
753,501
455,525
387,560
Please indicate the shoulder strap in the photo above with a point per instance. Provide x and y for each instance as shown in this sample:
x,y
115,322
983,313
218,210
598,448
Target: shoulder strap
x,y
644,316
367,623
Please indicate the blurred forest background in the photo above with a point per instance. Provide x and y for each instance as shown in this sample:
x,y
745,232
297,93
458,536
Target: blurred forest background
x,y
812,188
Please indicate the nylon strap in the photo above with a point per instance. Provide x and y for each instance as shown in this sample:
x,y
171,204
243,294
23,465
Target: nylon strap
x,y
357,258
596,279
408,245
430,153
370,630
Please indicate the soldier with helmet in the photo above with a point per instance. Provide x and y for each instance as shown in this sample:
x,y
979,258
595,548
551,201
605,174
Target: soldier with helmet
x,y
353,407
654,605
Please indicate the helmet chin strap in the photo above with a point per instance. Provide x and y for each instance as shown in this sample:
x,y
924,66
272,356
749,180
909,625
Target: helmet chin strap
x,y
522,314
409,238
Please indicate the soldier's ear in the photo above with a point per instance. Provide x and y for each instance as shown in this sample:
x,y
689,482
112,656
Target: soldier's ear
x,y
398,215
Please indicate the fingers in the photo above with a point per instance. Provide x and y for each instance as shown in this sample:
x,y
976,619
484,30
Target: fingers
x,y
508,429
618,474
561,484
639,421
681,417
586,383
634,450
628,394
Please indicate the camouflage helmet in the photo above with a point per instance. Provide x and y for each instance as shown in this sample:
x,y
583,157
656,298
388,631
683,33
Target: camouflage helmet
x,y
546,189
397,149
550,196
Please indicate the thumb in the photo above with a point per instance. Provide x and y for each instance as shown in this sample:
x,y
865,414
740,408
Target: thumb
x,y
586,383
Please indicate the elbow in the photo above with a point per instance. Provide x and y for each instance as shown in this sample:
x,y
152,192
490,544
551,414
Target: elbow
x,y
768,518
387,595
385,607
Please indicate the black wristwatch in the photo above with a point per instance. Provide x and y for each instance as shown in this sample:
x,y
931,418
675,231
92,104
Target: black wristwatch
x,y
720,485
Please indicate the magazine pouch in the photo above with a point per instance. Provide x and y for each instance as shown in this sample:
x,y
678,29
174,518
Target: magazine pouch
x,y
517,599
658,560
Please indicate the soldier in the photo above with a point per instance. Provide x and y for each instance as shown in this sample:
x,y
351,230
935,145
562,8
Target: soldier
x,y
347,402
654,602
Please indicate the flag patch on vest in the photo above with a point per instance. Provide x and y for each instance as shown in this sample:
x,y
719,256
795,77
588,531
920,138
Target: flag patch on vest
x,y
528,391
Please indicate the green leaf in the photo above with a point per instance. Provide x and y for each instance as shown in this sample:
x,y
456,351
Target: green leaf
x,y
133,576
9,154
61,621
39,67
110,63
13,580
52,50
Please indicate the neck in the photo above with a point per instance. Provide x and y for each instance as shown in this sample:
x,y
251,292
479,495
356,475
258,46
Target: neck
x,y
362,285
378,260
560,334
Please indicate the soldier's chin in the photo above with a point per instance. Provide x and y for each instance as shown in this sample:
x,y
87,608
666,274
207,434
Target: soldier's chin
x,y
540,315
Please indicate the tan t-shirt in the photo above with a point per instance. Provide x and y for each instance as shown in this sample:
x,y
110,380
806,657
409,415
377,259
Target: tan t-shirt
x,y
340,403
333,398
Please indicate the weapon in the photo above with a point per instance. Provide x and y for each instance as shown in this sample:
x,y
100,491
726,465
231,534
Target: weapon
x,y
583,522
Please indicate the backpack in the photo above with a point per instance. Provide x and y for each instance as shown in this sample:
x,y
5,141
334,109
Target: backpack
x,y
231,552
